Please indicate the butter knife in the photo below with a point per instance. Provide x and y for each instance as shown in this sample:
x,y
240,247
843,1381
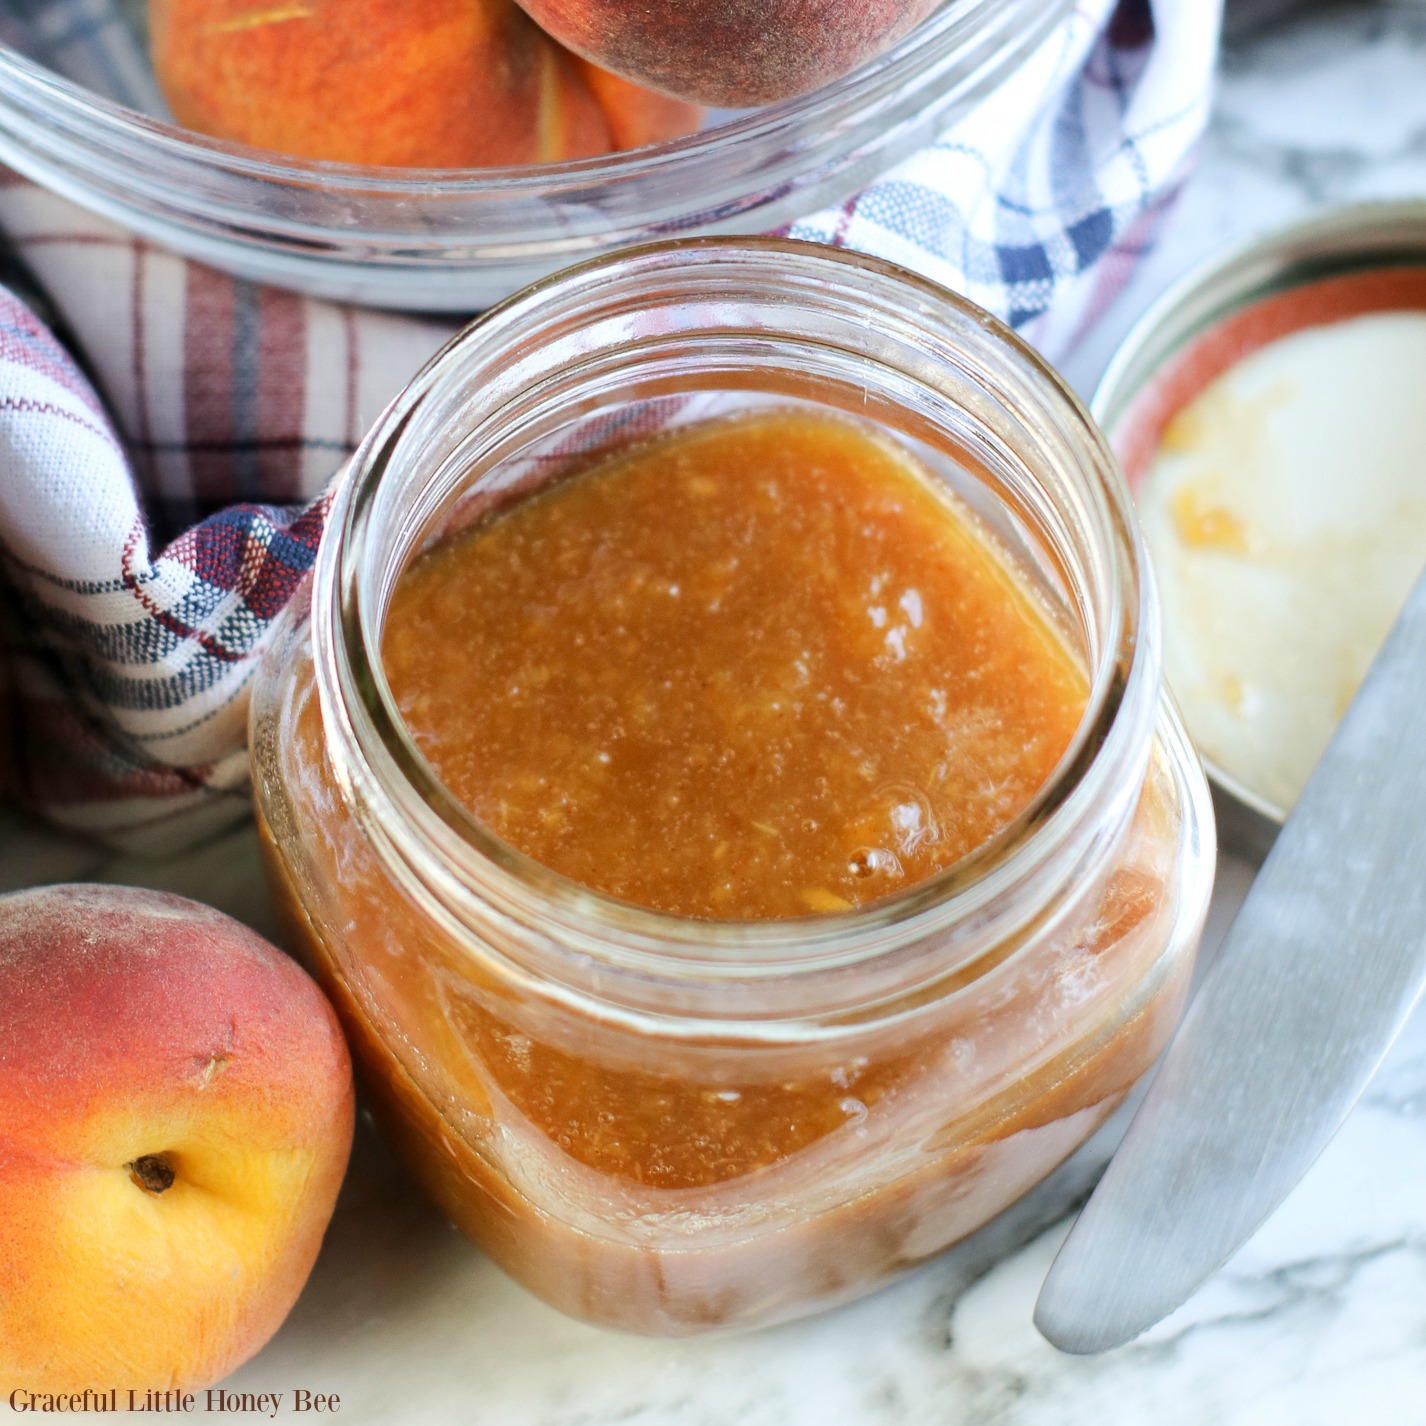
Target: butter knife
x,y
1317,976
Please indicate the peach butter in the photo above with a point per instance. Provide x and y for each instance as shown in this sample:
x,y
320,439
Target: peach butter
x,y
756,670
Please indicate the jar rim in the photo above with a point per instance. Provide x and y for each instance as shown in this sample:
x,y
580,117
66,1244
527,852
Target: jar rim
x,y
1125,673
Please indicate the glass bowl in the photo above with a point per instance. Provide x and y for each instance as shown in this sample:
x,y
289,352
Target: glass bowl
x,y
459,240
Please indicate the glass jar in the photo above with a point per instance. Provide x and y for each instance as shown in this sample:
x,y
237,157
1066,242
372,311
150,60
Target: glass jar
x,y
668,1124
457,241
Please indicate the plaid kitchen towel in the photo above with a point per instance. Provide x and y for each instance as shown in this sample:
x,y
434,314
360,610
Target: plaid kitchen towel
x,y
167,432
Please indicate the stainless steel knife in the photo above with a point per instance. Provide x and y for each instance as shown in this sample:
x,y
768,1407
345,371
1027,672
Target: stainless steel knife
x,y
1318,975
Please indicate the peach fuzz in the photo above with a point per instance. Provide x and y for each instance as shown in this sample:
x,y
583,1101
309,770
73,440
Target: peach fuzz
x,y
729,53
390,83
176,1112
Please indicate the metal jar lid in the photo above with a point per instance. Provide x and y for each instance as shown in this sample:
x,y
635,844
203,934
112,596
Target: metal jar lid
x,y
1340,241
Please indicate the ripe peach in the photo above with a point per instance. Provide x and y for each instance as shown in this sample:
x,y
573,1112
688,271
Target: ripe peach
x,y
176,1112
731,53
637,116
439,84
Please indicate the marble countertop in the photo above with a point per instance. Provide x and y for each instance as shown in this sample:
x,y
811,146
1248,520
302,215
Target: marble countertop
x,y
1319,1321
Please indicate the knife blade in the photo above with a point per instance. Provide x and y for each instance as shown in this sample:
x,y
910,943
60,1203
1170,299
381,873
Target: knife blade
x,y
1317,976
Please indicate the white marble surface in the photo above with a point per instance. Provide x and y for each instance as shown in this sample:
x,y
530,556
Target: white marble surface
x,y
1319,1321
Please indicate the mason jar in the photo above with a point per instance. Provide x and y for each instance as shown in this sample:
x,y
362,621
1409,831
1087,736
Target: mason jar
x,y
670,1124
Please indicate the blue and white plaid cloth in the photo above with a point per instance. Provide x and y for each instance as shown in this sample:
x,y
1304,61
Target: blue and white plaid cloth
x,y
162,495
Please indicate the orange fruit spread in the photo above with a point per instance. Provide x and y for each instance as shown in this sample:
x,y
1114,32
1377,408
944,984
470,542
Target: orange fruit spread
x,y
757,668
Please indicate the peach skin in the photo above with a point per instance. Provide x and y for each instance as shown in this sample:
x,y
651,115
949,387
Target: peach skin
x,y
637,116
435,84
729,53
176,1112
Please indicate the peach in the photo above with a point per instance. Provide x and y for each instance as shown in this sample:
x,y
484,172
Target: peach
x,y
176,1111
637,116
434,84
731,53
